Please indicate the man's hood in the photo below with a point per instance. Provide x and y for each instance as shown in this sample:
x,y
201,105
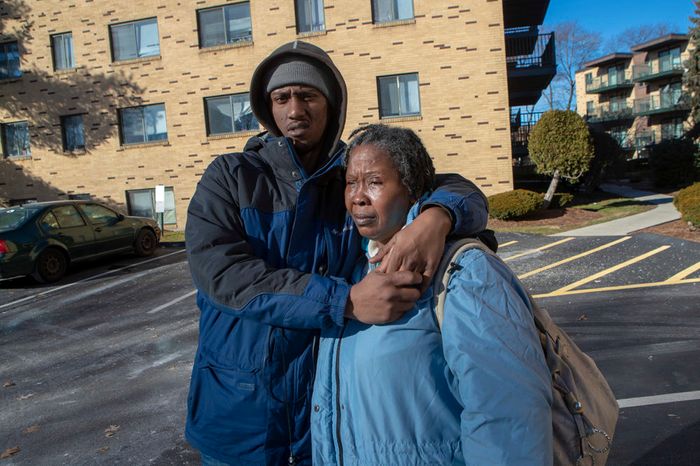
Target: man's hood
x,y
260,104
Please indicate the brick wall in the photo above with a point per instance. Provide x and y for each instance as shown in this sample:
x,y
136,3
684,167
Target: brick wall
x,y
457,48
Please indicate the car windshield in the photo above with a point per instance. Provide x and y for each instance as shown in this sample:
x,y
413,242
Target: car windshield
x,y
14,217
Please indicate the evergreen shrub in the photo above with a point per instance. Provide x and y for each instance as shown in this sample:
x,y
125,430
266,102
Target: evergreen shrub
x,y
514,204
687,201
672,162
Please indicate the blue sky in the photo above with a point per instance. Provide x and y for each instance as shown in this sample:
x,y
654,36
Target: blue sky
x,y
610,17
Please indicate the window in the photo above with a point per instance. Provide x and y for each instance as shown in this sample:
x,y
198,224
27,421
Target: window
x,y
62,49
229,114
15,139
143,124
589,79
225,25
142,203
135,39
99,215
671,95
672,129
618,103
391,10
309,15
67,217
9,61
73,133
590,107
670,59
398,95
49,222
616,75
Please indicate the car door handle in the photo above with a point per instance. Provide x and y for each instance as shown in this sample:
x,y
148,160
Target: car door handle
x,y
98,230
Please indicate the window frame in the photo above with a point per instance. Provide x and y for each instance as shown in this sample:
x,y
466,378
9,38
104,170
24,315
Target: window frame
x,y
379,96
226,42
143,124
62,35
375,7
207,121
64,138
3,140
7,63
133,23
323,17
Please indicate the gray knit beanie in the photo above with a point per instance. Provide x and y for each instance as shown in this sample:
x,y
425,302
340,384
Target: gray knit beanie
x,y
299,70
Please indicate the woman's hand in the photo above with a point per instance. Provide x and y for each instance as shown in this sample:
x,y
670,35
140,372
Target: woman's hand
x,y
419,246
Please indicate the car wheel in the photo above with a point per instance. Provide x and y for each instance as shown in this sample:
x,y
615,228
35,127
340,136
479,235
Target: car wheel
x,y
51,266
146,243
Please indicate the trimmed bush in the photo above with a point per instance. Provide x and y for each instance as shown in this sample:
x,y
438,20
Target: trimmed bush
x,y
672,162
687,201
514,204
560,200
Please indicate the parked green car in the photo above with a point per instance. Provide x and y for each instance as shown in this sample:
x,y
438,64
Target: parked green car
x,y
42,239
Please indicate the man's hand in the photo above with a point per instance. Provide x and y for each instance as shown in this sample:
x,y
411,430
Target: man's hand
x,y
381,298
418,247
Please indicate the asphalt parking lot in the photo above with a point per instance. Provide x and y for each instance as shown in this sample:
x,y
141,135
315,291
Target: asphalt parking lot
x,y
95,369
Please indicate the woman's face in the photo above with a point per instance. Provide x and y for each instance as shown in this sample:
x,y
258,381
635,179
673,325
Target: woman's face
x,y
374,194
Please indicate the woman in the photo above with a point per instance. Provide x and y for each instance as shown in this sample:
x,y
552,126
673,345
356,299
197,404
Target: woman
x,y
405,393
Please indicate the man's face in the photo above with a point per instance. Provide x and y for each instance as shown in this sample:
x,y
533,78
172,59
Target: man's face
x,y
301,114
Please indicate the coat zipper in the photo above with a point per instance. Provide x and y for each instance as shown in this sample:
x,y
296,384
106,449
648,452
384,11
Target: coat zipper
x,y
337,398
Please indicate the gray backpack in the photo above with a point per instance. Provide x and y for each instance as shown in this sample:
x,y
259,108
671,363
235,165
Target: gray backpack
x,y
584,409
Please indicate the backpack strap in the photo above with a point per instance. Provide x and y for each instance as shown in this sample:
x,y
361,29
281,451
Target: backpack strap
x,y
447,267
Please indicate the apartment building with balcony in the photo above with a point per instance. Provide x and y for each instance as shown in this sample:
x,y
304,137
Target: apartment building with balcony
x,y
637,97
531,59
106,100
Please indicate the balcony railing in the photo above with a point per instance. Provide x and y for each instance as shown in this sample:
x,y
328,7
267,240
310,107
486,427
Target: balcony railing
x,y
656,69
644,139
525,50
624,140
610,82
663,102
610,111
521,125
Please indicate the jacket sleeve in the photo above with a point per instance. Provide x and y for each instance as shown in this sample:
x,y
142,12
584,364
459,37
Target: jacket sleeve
x,y
464,201
493,350
231,279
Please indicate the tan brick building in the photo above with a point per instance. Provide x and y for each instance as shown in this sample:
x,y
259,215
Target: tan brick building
x,y
637,96
106,99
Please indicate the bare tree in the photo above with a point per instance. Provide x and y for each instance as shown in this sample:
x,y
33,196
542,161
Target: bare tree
x,y
636,35
575,46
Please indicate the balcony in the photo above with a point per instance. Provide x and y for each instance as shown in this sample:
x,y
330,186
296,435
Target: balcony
x,y
657,69
664,102
531,63
521,125
610,82
624,140
518,13
610,112
644,139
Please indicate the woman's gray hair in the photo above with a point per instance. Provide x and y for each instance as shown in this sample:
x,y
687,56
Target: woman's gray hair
x,y
406,151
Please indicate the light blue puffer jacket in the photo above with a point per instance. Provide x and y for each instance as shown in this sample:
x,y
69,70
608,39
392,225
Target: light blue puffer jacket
x,y
404,394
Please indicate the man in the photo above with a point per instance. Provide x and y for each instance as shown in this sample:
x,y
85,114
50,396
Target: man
x,y
269,247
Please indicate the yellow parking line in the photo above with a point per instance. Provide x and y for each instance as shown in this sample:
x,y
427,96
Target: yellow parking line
x,y
532,251
572,258
684,273
509,243
616,288
605,272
